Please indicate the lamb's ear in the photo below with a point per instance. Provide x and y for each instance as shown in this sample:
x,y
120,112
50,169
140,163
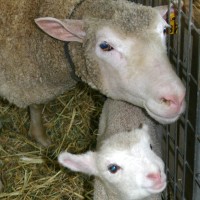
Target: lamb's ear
x,y
143,127
65,30
81,163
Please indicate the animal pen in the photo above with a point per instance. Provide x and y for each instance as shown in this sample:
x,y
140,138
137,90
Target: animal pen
x,y
182,139
31,172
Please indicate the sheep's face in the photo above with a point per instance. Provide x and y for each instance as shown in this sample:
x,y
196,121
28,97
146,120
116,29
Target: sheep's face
x,y
132,170
136,69
123,55
132,61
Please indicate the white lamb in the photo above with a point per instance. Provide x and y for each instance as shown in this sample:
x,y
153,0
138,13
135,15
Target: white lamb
x,y
125,163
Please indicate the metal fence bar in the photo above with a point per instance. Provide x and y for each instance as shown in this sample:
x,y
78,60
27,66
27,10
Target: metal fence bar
x,y
188,63
176,153
196,177
166,159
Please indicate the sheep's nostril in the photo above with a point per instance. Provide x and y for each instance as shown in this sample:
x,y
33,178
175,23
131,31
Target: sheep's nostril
x,y
166,101
174,101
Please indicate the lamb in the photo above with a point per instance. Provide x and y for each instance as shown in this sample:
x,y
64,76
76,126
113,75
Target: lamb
x,y
124,164
117,47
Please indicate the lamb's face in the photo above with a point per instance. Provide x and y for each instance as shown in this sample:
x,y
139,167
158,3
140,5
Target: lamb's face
x,y
133,171
125,163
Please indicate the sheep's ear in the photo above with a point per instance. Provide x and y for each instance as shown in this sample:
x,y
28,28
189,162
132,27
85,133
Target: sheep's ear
x,y
65,30
81,163
162,10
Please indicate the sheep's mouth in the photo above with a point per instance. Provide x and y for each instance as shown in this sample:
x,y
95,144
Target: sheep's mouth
x,y
157,188
159,118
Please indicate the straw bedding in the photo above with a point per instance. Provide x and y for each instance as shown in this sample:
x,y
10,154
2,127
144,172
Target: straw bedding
x,y
30,171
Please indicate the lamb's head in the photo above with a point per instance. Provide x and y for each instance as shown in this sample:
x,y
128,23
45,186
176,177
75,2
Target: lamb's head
x,y
125,163
122,53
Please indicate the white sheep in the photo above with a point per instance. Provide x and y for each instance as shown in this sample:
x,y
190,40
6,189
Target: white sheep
x,y
125,162
119,49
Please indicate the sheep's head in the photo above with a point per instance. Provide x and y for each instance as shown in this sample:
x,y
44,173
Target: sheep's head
x,y
125,163
122,53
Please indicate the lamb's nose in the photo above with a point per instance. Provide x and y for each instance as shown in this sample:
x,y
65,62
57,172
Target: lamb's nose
x,y
154,176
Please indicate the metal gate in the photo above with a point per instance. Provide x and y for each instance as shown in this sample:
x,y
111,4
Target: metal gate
x,y
182,139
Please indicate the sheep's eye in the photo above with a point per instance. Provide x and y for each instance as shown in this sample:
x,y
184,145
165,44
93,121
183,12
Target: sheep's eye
x,y
113,168
164,30
151,147
105,46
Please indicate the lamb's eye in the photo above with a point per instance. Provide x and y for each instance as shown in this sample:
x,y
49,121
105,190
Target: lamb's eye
x,y
105,46
113,168
151,147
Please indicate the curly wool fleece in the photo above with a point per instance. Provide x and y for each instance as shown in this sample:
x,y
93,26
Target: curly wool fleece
x,y
33,67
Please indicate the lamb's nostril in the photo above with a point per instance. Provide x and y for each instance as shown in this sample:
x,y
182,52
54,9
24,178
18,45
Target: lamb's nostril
x,y
154,176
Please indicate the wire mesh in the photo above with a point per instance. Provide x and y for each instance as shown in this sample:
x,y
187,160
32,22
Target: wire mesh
x,y
182,138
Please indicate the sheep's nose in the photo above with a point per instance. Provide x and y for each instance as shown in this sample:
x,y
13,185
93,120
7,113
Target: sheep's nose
x,y
174,102
154,176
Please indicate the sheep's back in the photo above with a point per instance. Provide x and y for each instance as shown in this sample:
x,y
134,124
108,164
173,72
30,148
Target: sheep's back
x,y
33,67
120,116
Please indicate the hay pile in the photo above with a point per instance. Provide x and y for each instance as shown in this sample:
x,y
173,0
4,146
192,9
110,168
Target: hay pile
x,y
30,171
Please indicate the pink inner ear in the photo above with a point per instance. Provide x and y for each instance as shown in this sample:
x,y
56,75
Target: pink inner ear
x,y
63,30
72,164
82,163
75,26
56,30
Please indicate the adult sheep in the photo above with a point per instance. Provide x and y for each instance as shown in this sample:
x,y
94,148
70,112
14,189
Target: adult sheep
x,y
119,49
125,163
